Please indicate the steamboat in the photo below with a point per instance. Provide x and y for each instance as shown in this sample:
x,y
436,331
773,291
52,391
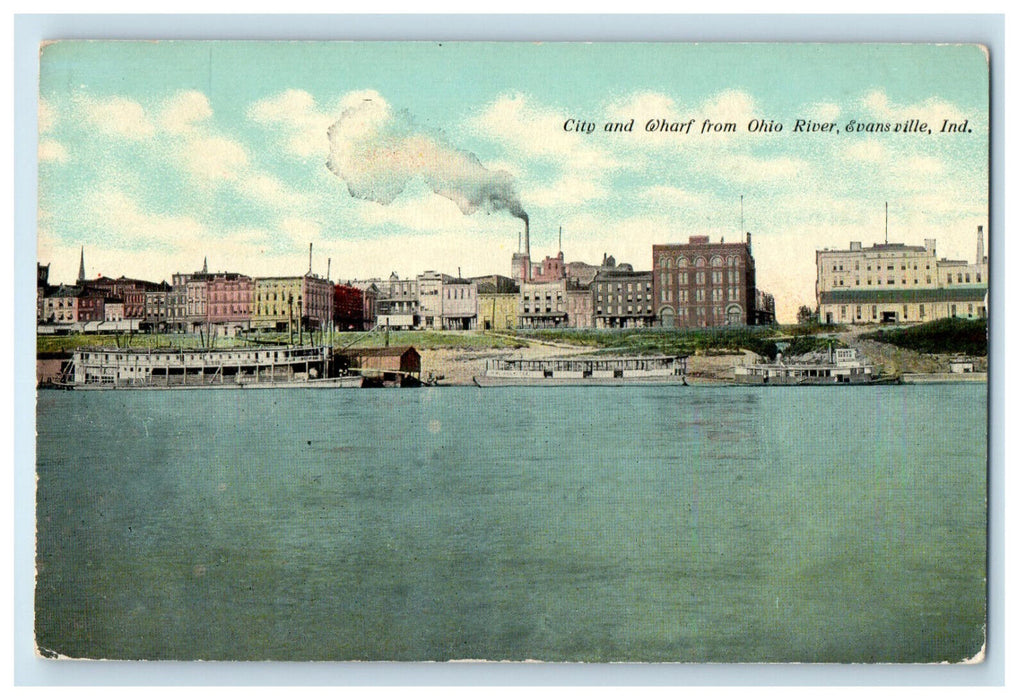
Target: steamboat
x,y
228,368
584,371
838,367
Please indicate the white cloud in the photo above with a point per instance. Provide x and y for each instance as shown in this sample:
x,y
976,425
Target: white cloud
x,y
535,131
922,165
119,117
744,168
304,128
825,112
128,226
422,212
866,151
215,158
568,190
269,190
301,231
642,106
933,111
673,196
182,113
730,106
51,151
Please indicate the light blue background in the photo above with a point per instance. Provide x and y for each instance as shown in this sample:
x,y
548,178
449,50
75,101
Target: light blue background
x,y
30,30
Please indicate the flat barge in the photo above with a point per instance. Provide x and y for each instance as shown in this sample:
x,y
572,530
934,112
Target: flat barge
x,y
585,371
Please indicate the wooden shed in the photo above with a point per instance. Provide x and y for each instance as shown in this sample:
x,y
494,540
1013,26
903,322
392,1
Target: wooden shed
x,y
386,363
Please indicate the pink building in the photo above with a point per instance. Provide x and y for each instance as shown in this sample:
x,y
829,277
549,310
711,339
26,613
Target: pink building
x,y
229,300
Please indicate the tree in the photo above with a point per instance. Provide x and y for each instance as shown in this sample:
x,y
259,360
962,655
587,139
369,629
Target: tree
x,y
806,315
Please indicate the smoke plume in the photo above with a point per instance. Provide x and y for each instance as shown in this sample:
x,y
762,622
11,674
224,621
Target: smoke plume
x,y
376,152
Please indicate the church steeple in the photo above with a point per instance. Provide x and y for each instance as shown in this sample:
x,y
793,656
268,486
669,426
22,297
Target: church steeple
x,y
81,266
204,264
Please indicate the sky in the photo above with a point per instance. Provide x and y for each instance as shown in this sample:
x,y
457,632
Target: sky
x,y
419,156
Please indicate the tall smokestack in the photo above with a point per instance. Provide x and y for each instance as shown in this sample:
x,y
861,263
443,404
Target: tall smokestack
x,y
527,238
309,270
329,269
979,245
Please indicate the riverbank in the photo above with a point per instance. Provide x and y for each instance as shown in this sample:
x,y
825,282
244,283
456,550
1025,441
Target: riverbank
x,y
453,358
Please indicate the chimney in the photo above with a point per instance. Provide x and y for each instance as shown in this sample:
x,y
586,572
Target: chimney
x,y
328,277
979,245
748,241
527,239
310,268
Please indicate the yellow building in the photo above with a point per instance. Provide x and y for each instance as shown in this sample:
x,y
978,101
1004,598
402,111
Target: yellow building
x,y
496,311
281,301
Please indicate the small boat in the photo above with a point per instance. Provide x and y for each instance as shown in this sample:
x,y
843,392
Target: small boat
x,y
309,367
584,371
837,367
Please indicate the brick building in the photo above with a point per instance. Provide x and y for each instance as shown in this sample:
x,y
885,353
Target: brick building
x,y
229,301
701,284
348,308
622,298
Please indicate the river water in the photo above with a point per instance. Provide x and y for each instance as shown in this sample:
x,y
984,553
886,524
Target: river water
x,y
570,524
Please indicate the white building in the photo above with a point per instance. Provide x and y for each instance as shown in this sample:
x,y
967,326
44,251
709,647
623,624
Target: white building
x,y
894,282
445,302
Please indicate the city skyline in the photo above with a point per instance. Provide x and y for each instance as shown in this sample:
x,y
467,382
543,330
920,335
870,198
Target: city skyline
x,y
155,155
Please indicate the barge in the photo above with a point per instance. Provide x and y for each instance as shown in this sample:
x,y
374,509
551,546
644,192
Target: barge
x,y
229,368
584,371
840,366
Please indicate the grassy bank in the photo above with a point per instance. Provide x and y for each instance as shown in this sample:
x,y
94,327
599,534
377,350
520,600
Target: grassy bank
x,y
422,340
658,341
955,336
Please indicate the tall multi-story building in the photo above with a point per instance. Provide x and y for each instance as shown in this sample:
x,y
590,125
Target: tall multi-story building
x,y
894,282
290,303
543,304
580,305
446,303
348,308
701,284
155,307
229,302
182,303
622,297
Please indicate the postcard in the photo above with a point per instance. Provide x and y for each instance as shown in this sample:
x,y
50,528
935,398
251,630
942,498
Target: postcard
x,y
509,351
